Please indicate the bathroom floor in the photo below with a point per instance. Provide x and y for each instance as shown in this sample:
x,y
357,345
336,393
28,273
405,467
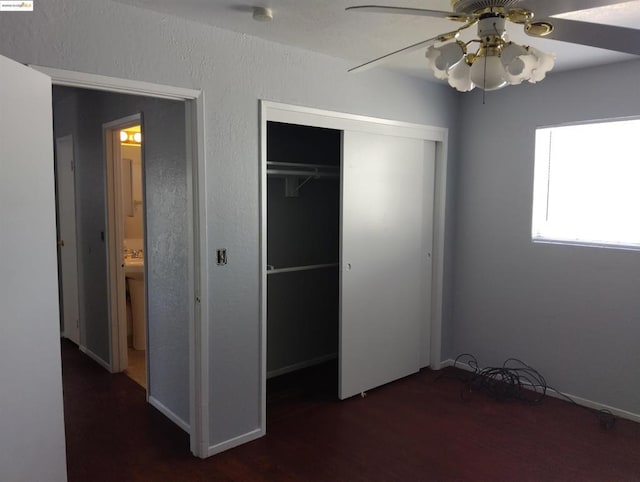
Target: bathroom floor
x,y
137,369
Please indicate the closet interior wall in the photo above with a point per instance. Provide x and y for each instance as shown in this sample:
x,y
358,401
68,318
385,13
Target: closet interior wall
x,y
303,245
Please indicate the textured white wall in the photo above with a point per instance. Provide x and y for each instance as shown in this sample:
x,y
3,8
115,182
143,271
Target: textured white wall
x,y
234,71
571,312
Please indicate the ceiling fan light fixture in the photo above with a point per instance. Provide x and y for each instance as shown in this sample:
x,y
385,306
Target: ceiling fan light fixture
x,y
491,61
443,58
519,69
496,64
488,73
460,77
518,63
512,51
544,63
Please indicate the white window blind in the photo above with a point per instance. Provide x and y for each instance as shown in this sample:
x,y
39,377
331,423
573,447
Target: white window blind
x,y
587,184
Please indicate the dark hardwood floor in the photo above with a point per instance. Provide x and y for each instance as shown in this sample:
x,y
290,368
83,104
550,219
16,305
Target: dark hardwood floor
x,y
416,429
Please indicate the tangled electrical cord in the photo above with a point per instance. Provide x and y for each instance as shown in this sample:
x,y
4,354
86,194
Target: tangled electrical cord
x,y
515,380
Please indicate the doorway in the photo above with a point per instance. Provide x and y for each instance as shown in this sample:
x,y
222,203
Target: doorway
x,y
126,245
171,354
67,240
97,121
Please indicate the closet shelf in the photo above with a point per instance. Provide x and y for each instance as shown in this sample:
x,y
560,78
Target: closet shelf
x,y
291,269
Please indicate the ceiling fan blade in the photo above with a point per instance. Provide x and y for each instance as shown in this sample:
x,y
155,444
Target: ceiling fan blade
x,y
620,39
406,11
547,8
379,60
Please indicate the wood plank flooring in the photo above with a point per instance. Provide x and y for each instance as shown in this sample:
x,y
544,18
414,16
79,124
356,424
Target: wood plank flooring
x,y
416,429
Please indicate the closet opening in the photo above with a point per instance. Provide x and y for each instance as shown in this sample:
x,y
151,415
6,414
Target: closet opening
x,y
351,248
303,250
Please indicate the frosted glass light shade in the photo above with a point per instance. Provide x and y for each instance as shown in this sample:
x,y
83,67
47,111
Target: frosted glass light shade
x,y
518,63
488,73
460,77
511,52
497,63
545,63
441,59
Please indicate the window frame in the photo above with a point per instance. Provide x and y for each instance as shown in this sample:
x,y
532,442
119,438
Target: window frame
x,y
541,232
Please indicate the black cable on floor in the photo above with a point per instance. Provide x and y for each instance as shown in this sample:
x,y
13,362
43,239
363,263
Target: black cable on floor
x,y
514,380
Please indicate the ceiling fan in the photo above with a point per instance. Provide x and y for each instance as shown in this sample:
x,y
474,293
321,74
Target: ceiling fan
x,y
491,61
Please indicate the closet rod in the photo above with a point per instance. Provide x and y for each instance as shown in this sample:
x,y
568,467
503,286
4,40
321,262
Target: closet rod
x,y
291,172
301,165
300,268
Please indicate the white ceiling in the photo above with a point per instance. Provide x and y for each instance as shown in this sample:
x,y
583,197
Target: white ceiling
x,y
324,26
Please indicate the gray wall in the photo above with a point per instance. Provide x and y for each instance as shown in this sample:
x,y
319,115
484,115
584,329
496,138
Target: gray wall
x,y
74,114
82,113
571,312
234,71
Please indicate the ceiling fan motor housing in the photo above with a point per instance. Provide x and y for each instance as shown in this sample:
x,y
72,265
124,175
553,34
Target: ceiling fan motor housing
x,y
491,26
473,6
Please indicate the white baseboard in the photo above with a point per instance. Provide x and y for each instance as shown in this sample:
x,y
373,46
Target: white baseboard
x,y
301,365
95,358
234,442
585,402
446,363
597,406
169,414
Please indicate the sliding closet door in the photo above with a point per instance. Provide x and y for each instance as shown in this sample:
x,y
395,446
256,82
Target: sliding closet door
x,y
387,212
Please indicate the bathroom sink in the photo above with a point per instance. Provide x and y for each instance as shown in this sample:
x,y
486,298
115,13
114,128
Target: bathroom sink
x,y
134,265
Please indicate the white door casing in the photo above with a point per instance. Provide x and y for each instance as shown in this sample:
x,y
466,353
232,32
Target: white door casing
x,y
386,246
67,241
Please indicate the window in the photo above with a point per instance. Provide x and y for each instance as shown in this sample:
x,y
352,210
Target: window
x,y
587,184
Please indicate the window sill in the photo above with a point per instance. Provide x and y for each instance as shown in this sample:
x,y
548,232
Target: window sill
x,y
585,244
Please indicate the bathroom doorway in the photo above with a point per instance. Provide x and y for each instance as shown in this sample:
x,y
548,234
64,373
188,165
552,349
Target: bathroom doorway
x,y
126,244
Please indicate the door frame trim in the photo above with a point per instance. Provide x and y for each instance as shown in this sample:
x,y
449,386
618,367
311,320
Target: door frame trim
x,y
197,219
292,114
